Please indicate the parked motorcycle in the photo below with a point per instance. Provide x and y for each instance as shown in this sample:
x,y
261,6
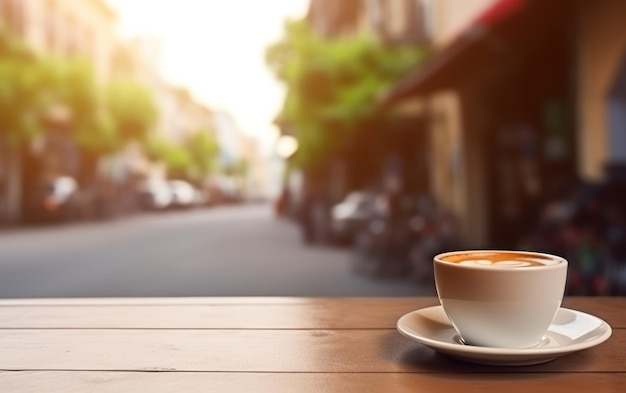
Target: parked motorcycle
x,y
404,244
435,233
382,246
587,226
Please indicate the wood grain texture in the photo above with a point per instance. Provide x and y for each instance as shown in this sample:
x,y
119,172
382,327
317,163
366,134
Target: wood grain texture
x,y
147,301
267,344
288,316
383,350
242,313
102,382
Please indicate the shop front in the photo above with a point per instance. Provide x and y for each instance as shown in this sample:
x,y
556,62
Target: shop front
x,y
501,101
601,79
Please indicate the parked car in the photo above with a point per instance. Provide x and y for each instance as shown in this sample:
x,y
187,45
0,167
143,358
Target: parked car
x,y
156,194
54,199
184,195
203,197
225,190
350,215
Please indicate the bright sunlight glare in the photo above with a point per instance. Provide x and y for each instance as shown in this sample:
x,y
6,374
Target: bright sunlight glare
x,y
216,50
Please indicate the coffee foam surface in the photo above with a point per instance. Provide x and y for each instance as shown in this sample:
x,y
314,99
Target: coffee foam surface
x,y
501,259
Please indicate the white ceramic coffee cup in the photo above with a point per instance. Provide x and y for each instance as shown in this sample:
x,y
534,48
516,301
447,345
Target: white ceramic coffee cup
x,y
500,305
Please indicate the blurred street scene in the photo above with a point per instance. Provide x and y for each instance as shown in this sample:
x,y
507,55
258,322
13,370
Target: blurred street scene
x,y
401,129
228,251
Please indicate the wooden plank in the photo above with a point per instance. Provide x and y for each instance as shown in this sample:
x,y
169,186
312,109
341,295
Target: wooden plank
x,y
100,382
201,301
351,313
343,315
382,350
410,302
589,304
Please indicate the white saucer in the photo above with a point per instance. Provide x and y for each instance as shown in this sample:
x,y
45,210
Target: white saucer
x,y
569,332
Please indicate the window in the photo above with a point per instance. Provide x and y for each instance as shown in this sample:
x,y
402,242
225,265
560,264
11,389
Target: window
x,y
375,14
427,12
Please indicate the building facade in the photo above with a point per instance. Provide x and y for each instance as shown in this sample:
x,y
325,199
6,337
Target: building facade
x,y
453,182
179,113
601,81
392,21
446,19
526,99
64,28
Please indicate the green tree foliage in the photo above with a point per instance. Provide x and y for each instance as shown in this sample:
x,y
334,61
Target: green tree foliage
x,y
333,85
175,157
132,109
22,89
72,86
237,169
194,159
34,89
203,150
241,168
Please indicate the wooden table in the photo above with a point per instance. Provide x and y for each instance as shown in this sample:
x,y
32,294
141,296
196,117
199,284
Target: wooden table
x,y
267,345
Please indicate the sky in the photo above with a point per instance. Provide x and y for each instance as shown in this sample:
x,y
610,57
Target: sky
x,y
215,48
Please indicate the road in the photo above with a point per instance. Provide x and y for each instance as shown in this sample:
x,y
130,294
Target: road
x,y
222,251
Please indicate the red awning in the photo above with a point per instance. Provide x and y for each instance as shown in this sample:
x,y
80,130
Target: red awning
x,y
494,32
498,11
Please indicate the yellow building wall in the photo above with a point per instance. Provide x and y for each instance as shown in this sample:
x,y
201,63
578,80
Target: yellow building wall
x,y
84,25
450,17
601,47
457,181
457,178
446,136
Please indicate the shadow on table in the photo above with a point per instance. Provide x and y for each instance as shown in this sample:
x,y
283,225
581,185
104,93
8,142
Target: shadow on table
x,y
419,358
